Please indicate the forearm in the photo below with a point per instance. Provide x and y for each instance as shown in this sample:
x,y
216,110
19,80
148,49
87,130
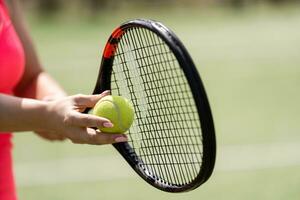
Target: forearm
x,y
21,114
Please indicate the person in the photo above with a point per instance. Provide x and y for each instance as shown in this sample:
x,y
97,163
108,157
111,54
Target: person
x,y
30,100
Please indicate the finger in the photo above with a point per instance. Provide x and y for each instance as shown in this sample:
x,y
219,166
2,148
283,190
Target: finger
x,y
87,120
91,136
97,137
89,100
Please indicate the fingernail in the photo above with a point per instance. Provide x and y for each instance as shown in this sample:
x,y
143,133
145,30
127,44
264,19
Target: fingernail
x,y
107,91
121,139
108,124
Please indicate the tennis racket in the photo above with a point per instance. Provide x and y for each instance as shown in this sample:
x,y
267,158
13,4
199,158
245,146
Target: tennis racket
x,y
171,143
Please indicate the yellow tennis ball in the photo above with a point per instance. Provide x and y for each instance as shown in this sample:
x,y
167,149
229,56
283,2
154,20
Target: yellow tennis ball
x,y
118,110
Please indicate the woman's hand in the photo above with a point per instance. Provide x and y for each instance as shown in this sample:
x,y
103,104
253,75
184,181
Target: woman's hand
x,y
66,121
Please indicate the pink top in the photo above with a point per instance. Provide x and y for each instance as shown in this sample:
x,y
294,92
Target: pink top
x,y
12,61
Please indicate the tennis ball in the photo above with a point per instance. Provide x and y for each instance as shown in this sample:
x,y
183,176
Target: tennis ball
x,y
118,110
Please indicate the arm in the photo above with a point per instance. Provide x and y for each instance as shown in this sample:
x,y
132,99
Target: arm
x,y
19,114
35,83
63,116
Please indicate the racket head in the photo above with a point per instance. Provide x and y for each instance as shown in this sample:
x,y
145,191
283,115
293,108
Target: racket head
x,y
170,178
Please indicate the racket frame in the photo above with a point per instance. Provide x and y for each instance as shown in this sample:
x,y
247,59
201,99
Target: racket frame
x,y
197,89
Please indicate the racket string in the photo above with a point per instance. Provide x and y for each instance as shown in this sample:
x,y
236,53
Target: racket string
x,y
165,134
165,172
161,90
173,93
156,170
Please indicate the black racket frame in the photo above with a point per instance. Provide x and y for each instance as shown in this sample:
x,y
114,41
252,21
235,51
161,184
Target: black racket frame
x,y
206,120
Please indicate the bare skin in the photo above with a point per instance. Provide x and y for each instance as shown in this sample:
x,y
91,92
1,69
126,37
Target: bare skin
x,y
42,106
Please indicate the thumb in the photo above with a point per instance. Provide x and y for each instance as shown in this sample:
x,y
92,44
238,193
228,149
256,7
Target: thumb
x,y
89,100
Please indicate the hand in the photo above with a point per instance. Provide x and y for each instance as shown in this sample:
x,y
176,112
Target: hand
x,y
65,118
51,135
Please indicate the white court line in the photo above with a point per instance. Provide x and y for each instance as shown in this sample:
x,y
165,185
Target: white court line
x,y
258,156
105,168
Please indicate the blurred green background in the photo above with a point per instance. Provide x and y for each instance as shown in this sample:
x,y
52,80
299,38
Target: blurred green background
x,y
248,55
